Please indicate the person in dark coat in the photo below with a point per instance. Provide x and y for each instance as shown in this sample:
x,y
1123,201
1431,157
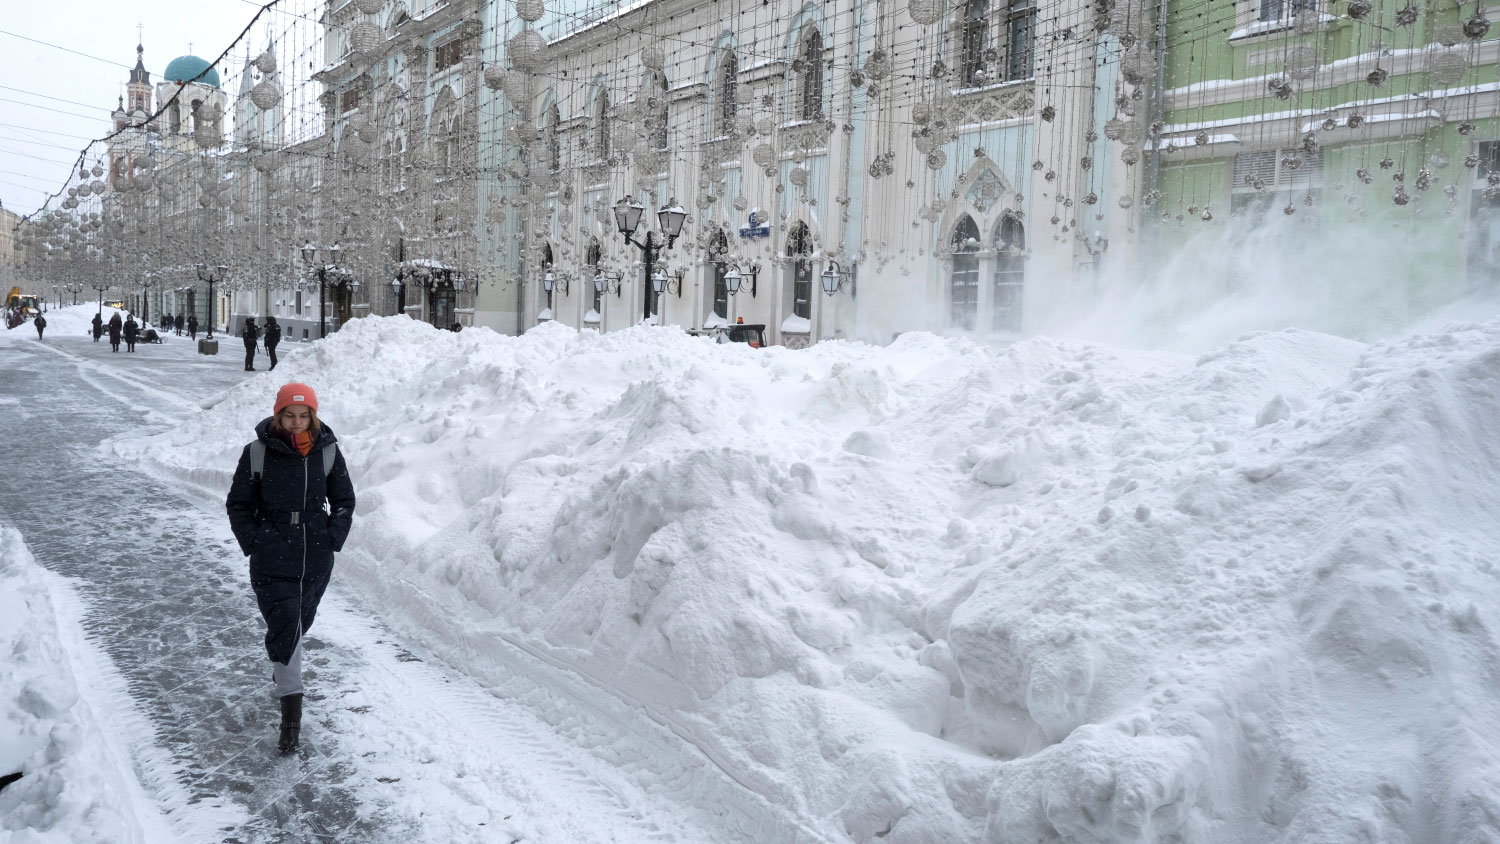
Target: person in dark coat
x,y
132,330
250,333
114,332
273,338
179,324
98,327
40,322
290,522
192,326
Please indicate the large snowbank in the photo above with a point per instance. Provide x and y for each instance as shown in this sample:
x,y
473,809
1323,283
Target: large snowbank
x,y
58,725
938,592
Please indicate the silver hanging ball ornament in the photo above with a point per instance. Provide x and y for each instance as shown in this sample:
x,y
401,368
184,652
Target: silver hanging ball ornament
x,y
526,50
266,95
530,11
925,12
366,38
266,62
494,77
936,159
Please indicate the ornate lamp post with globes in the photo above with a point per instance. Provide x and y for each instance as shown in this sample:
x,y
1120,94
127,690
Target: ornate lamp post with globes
x,y
310,256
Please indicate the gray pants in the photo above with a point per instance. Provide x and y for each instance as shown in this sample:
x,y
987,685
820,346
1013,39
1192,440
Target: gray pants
x,y
288,677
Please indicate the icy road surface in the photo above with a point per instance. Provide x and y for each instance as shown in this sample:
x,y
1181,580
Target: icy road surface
x,y
395,746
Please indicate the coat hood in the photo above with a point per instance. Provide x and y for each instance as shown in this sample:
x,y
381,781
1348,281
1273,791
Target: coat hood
x,y
264,434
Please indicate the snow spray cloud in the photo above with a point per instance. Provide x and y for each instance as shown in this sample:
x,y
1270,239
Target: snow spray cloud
x,y
1363,279
1360,278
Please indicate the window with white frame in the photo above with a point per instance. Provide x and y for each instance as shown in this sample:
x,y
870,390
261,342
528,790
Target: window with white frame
x,y
963,280
812,76
601,126
1020,45
1276,178
799,248
973,43
1009,283
729,70
1274,10
592,259
554,139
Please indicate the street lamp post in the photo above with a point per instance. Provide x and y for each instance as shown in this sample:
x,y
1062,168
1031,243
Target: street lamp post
x,y
628,217
211,275
309,256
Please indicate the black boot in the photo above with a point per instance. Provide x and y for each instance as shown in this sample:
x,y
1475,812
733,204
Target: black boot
x,y
291,723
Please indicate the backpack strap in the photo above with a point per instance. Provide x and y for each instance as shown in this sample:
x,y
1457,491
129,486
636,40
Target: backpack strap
x,y
257,459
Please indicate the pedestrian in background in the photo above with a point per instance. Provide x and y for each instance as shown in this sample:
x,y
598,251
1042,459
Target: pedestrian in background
x,y
132,330
250,334
98,327
273,338
179,324
193,327
41,323
290,518
114,332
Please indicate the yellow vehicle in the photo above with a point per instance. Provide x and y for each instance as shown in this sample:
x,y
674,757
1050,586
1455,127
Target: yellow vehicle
x,y
29,305
116,304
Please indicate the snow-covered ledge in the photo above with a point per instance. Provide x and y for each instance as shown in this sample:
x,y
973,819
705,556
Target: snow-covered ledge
x,y
796,332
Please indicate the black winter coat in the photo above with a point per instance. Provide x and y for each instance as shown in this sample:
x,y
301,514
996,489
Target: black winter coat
x,y
249,334
114,329
273,334
290,563
132,328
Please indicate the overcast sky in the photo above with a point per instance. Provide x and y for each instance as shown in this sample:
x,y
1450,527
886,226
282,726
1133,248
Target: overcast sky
x,y
53,102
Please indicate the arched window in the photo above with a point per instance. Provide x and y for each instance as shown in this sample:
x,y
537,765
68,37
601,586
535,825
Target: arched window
x,y
729,72
976,38
554,140
444,121
812,76
799,247
174,118
547,267
1010,273
963,286
601,126
592,258
718,255
453,132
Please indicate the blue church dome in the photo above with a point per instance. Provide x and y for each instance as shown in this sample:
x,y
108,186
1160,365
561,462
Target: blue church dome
x,y
184,68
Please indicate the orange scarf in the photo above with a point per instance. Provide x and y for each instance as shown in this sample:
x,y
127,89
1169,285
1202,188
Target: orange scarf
x,y
301,442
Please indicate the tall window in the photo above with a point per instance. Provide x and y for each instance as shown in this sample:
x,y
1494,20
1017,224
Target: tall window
x,y
799,247
174,118
659,114
554,140
964,285
718,254
1010,274
1021,45
447,55
601,126
812,76
444,145
546,268
592,260
976,38
729,72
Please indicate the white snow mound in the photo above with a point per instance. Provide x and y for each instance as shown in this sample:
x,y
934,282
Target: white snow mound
x,y
937,592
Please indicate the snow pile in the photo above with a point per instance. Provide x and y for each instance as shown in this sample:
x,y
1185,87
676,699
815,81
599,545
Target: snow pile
x,y
939,592
78,784
69,320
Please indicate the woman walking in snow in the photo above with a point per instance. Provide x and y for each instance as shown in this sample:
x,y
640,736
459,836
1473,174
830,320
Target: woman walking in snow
x,y
291,506
114,332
